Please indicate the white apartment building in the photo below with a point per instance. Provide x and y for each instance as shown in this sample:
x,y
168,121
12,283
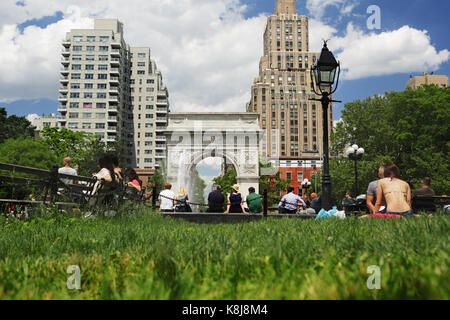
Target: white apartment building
x,y
113,90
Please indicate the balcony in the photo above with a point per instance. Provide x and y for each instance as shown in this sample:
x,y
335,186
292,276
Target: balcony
x,y
63,99
162,102
64,71
161,119
160,129
115,71
116,44
62,109
162,93
112,108
114,80
64,90
66,43
161,138
112,119
112,129
160,155
113,100
64,79
115,53
160,147
61,120
113,90
110,139
161,110
115,62
65,52
65,61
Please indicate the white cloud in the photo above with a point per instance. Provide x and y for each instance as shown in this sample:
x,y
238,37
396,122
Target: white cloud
x,y
399,51
317,8
206,50
32,116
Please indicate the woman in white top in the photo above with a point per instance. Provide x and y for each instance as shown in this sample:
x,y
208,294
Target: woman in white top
x,y
106,172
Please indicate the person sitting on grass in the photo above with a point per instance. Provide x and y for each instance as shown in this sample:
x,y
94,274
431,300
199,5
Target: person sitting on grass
x,y
254,201
235,202
372,192
290,202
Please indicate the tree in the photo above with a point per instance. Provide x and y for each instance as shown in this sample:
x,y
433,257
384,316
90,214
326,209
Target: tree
x,y
14,127
27,152
83,148
409,128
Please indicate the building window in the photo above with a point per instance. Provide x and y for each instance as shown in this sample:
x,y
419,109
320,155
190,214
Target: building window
x,y
73,115
74,95
77,38
103,48
89,76
100,115
99,126
100,105
101,86
74,105
75,86
86,126
87,105
90,48
76,57
102,76
101,95
104,38
102,67
89,67
141,55
141,72
103,58
88,95
76,67
72,125
87,115
77,48
90,38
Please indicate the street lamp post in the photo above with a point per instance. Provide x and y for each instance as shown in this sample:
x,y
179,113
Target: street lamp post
x,y
324,74
355,153
306,184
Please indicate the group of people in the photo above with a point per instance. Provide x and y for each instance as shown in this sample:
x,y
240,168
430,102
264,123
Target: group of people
x,y
170,202
391,195
109,171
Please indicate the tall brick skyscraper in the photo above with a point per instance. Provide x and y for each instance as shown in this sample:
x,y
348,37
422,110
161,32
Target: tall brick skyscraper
x,y
281,93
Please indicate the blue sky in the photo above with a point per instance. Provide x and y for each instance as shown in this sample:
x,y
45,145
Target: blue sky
x,y
419,14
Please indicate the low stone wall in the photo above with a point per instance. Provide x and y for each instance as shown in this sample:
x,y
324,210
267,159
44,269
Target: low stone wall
x,y
215,218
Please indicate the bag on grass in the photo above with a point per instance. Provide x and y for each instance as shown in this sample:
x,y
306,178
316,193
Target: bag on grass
x,y
326,214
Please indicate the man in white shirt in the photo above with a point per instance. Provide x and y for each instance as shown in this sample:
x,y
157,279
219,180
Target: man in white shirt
x,y
289,202
166,199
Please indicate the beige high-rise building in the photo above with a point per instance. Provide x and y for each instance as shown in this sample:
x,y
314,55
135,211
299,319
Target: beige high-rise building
x,y
281,92
114,91
439,80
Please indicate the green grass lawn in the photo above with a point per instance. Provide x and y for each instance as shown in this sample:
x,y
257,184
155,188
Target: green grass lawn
x,y
146,256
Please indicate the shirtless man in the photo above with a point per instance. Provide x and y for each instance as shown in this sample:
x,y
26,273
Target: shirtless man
x,y
396,192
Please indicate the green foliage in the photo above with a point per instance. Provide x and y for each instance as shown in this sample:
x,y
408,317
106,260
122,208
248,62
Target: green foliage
x,y
27,152
13,127
83,148
409,128
146,256
227,180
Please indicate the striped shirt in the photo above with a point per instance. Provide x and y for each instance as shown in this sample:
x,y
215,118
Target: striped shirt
x,y
290,200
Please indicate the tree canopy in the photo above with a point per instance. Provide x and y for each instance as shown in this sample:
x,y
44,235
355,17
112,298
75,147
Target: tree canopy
x,y
409,128
14,127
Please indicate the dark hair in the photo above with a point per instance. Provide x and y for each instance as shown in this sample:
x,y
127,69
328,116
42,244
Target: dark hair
x,y
131,174
113,158
290,189
391,170
168,186
251,190
426,181
106,162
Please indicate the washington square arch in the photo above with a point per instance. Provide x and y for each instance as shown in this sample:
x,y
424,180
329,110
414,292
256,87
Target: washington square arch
x,y
192,137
